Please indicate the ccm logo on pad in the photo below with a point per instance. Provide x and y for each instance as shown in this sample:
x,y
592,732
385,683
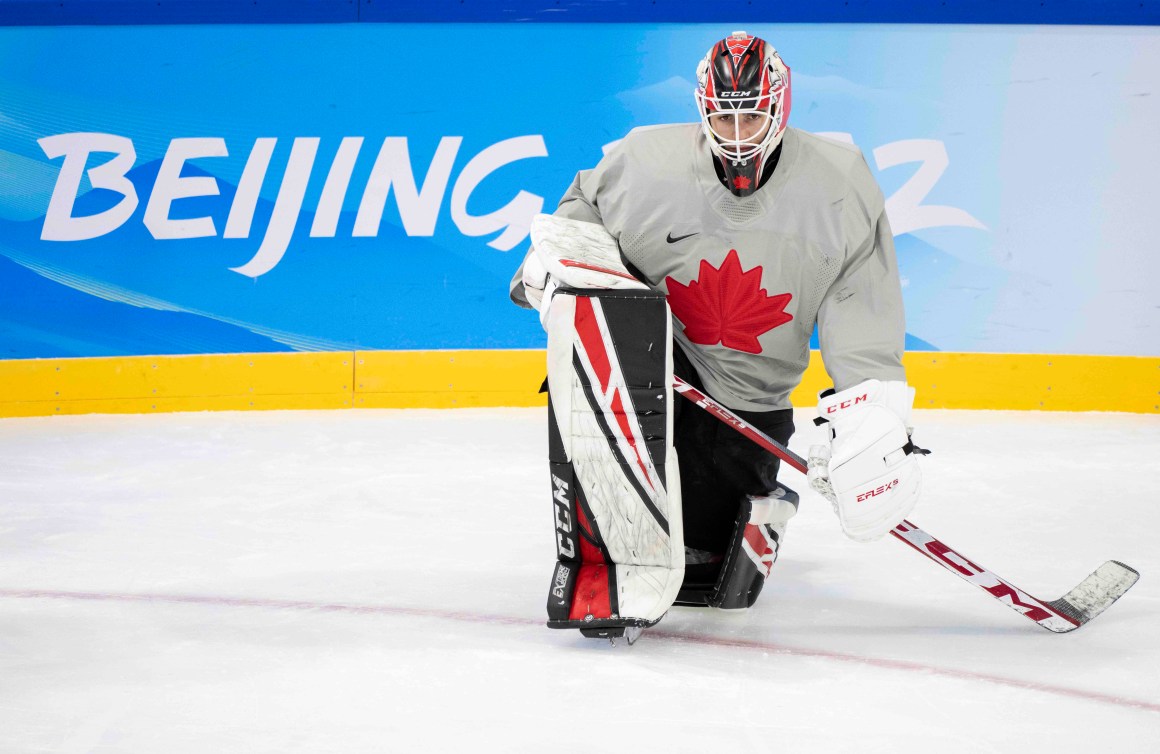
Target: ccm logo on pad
x,y
565,546
877,491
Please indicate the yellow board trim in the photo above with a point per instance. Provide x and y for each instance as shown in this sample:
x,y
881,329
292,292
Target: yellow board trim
x,y
448,379
1035,382
147,384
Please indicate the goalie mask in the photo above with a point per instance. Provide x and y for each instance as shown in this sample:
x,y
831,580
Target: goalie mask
x,y
743,96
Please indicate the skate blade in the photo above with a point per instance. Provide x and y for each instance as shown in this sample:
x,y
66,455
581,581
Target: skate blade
x,y
614,634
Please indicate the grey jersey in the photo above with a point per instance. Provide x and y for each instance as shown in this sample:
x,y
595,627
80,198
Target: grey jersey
x,y
747,278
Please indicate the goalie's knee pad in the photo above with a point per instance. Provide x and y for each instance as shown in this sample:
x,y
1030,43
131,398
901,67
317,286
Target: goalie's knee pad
x,y
614,474
736,581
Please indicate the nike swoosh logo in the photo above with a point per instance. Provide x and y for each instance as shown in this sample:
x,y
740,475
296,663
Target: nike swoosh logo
x,y
670,238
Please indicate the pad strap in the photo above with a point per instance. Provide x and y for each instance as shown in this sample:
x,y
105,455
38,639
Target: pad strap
x,y
753,549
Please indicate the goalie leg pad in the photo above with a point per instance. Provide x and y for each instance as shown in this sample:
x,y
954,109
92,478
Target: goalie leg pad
x,y
757,538
615,483
756,542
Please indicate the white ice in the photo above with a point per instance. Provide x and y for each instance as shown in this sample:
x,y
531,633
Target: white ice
x,y
375,581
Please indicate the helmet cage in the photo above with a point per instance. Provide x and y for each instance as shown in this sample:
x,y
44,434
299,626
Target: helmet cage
x,y
739,130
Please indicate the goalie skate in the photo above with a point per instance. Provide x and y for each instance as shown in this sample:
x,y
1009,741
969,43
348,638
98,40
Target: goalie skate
x,y
628,634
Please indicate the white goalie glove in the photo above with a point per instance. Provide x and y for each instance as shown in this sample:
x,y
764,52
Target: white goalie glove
x,y
573,253
869,472
538,284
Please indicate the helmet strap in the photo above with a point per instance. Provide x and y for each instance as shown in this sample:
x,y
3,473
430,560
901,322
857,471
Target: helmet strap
x,y
766,171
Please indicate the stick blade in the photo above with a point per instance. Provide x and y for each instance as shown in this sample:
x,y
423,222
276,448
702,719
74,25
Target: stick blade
x,y
1095,594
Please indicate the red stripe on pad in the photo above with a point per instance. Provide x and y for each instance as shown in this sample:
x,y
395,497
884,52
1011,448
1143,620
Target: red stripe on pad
x,y
589,332
760,545
591,594
626,428
594,345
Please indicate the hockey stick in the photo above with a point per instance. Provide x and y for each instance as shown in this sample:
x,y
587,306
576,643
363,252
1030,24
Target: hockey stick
x,y
1091,597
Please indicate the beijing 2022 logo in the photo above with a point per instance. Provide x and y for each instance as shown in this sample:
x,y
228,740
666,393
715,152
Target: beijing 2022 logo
x,y
419,206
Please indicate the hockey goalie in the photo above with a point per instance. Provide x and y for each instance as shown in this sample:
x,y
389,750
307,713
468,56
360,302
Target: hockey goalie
x,y
710,251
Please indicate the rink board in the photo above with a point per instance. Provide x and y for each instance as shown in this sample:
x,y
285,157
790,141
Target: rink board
x,y
459,379
247,205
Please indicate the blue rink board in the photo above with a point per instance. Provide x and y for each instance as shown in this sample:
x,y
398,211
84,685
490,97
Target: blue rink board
x,y
1003,246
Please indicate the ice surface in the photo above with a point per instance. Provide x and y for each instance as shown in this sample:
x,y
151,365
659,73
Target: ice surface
x,y
374,581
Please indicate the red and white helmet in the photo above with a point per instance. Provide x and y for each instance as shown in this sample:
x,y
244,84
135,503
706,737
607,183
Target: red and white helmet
x,y
743,96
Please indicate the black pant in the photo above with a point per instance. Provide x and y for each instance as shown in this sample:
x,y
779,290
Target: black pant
x,y
719,465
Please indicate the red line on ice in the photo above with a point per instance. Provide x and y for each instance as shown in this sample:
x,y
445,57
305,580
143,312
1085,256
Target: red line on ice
x,y
877,662
317,607
653,635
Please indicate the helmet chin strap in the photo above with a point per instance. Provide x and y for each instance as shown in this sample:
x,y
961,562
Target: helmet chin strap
x,y
725,179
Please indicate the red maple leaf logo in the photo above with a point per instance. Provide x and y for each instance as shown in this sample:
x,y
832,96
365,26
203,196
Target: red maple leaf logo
x,y
741,182
727,305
